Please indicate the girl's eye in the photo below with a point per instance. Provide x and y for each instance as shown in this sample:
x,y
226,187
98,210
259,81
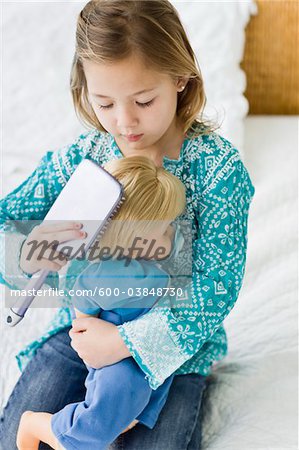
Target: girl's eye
x,y
142,105
104,107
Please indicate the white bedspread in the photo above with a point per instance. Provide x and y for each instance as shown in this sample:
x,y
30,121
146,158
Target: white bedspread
x,y
252,399
251,402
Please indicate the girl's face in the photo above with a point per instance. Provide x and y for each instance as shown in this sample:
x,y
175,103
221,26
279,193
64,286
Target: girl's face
x,y
135,104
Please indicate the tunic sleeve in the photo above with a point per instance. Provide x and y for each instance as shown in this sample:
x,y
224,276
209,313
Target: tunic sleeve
x,y
219,255
28,204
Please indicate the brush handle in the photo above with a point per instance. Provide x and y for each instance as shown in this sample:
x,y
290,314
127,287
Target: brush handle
x,y
18,312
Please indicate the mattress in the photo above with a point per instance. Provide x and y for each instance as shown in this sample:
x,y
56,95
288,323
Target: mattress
x,y
251,400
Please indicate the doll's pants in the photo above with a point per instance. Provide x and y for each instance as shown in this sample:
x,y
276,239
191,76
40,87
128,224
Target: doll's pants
x,y
115,396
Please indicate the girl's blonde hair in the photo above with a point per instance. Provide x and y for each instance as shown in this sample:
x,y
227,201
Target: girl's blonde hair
x,y
112,30
151,195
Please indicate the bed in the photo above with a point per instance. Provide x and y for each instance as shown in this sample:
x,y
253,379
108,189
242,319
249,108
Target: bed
x,y
251,400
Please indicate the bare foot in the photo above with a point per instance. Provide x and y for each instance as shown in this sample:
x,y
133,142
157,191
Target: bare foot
x,y
132,425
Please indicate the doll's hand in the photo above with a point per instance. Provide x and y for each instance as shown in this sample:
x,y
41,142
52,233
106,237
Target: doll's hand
x,y
97,342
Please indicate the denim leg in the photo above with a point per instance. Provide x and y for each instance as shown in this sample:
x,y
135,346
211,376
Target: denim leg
x,y
51,380
195,443
178,426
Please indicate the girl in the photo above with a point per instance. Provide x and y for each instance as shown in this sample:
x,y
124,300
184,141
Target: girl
x,y
135,81
118,394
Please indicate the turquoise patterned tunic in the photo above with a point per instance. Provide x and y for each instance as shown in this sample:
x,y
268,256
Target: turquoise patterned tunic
x,y
166,340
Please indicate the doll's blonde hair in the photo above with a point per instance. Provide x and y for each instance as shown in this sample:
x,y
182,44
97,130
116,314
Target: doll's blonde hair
x,y
112,30
152,196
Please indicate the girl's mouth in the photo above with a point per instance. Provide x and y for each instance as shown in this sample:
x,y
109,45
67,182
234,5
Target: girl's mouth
x,y
133,137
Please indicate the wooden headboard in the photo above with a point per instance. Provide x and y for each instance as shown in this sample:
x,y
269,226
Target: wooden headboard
x,y
271,58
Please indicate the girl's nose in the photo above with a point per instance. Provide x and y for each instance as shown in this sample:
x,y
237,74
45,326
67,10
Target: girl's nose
x,y
126,119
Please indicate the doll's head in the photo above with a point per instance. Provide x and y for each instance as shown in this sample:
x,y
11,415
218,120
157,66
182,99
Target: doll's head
x,y
153,199
150,31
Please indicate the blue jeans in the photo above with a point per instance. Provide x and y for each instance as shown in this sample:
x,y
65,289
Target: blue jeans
x,y
55,377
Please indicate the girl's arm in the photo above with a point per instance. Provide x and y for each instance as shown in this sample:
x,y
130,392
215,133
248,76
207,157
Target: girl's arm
x,y
33,428
27,205
218,267
165,338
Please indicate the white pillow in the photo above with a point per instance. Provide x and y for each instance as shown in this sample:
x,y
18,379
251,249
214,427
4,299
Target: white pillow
x,y
216,33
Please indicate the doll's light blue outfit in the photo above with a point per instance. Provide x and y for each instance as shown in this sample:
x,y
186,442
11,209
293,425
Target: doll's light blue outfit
x,y
119,393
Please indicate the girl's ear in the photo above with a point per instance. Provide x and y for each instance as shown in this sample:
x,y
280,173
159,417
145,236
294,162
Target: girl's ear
x,y
181,83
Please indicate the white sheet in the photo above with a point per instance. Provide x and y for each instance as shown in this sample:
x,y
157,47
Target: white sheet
x,y
252,400
252,397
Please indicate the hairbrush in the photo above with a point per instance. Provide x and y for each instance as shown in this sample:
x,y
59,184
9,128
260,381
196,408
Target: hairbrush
x,y
92,196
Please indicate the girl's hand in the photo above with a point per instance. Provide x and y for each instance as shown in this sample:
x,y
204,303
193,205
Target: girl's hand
x,y
97,342
46,238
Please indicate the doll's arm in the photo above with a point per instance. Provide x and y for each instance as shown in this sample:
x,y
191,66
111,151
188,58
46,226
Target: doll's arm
x,y
33,428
